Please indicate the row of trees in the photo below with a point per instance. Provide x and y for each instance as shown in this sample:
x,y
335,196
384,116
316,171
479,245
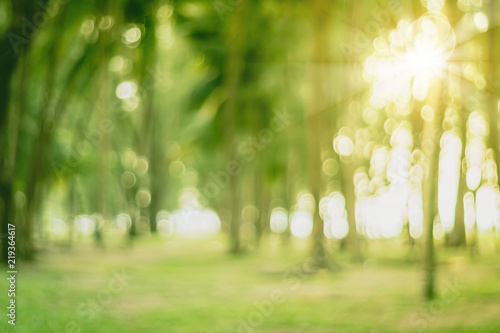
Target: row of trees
x,y
125,106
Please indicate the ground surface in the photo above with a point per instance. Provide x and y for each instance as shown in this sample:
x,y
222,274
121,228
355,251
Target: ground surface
x,y
193,286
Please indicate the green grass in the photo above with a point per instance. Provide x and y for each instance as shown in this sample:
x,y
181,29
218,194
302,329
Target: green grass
x,y
193,286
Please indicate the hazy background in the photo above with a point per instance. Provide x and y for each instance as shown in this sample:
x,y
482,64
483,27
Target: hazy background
x,y
251,166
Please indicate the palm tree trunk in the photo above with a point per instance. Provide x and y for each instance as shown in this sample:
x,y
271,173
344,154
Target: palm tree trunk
x,y
431,136
235,41
315,123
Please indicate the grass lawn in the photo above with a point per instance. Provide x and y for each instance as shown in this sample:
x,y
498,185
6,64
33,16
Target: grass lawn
x,y
193,286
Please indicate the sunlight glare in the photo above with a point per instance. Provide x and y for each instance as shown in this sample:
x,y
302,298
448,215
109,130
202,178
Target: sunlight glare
x,y
481,21
279,220
301,224
486,208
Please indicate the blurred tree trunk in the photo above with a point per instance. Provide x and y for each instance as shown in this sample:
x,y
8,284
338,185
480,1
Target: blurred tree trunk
x,y
457,236
103,103
347,164
101,196
154,144
315,122
8,61
347,175
72,207
493,83
235,42
258,194
432,131
417,129
10,156
263,202
133,211
156,171
14,46
290,179
346,170
235,209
